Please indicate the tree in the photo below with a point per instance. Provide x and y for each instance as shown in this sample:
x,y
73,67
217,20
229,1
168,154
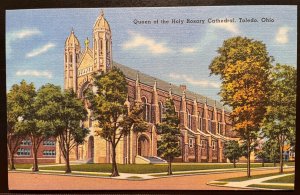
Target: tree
x,y
244,67
271,147
262,155
38,127
62,113
280,120
19,105
70,131
232,151
169,145
109,108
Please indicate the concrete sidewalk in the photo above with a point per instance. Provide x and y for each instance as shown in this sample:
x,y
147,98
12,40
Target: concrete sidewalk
x,y
147,176
259,181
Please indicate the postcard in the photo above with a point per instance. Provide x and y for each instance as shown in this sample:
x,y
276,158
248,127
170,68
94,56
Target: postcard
x,y
151,98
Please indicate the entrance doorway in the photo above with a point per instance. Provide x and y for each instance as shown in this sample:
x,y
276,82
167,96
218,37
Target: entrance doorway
x,y
91,148
143,146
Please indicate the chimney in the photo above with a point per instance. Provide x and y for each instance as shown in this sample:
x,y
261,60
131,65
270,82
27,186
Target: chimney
x,y
183,87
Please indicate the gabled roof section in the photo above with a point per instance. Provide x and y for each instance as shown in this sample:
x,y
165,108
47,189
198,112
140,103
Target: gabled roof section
x,y
165,86
86,59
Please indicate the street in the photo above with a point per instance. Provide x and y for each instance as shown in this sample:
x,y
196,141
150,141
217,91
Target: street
x,y
29,181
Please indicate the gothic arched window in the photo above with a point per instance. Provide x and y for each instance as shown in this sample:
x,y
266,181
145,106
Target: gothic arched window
x,y
189,119
161,111
200,117
146,110
101,46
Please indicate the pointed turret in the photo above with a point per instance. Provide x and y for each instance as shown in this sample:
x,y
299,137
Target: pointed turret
x,y
137,89
72,53
102,42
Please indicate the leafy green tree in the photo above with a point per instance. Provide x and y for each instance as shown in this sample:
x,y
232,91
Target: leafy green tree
x,y
280,120
244,65
62,114
37,127
262,155
232,151
69,130
169,146
110,110
272,147
19,106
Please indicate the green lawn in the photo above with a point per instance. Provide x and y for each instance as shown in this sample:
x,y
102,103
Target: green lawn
x,y
285,179
252,177
28,166
149,168
272,187
23,166
289,163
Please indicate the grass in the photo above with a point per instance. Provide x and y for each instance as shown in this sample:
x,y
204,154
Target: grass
x,y
28,166
284,179
272,187
23,166
252,177
289,163
150,168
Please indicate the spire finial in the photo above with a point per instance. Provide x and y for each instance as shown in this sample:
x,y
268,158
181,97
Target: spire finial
x,y
86,42
170,90
137,76
72,30
102,13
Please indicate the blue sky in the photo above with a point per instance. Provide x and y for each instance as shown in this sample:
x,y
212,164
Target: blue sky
x,y
177,53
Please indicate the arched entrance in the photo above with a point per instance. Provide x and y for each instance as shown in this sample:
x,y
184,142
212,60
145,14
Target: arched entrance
x,y
143,146
91,148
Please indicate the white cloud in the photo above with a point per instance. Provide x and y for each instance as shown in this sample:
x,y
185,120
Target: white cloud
x,y
40,50
230,27
139,41
188,50
192,81
24,33
35,73
19,35
282,35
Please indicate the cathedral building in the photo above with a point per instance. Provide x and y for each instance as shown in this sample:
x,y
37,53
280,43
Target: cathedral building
x,y
205,124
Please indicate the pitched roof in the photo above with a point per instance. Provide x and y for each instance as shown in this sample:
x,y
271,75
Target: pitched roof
x,y
165,86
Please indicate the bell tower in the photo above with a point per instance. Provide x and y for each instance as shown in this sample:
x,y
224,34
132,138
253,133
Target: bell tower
x,y
102,43
71,59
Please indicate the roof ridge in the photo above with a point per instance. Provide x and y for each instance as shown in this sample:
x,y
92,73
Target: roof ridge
x,y
164,85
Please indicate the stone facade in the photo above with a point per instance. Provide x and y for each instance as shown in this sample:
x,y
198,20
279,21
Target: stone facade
x,y
204,123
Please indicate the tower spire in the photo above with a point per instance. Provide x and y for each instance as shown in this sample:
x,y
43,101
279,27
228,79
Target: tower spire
x,y
86,42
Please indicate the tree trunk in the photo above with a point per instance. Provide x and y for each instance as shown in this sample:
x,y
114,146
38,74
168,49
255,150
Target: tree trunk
x,y
11,159
263,163
234,165
35,167
281,158
12,163
248,159
115,171
68,167
170,167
